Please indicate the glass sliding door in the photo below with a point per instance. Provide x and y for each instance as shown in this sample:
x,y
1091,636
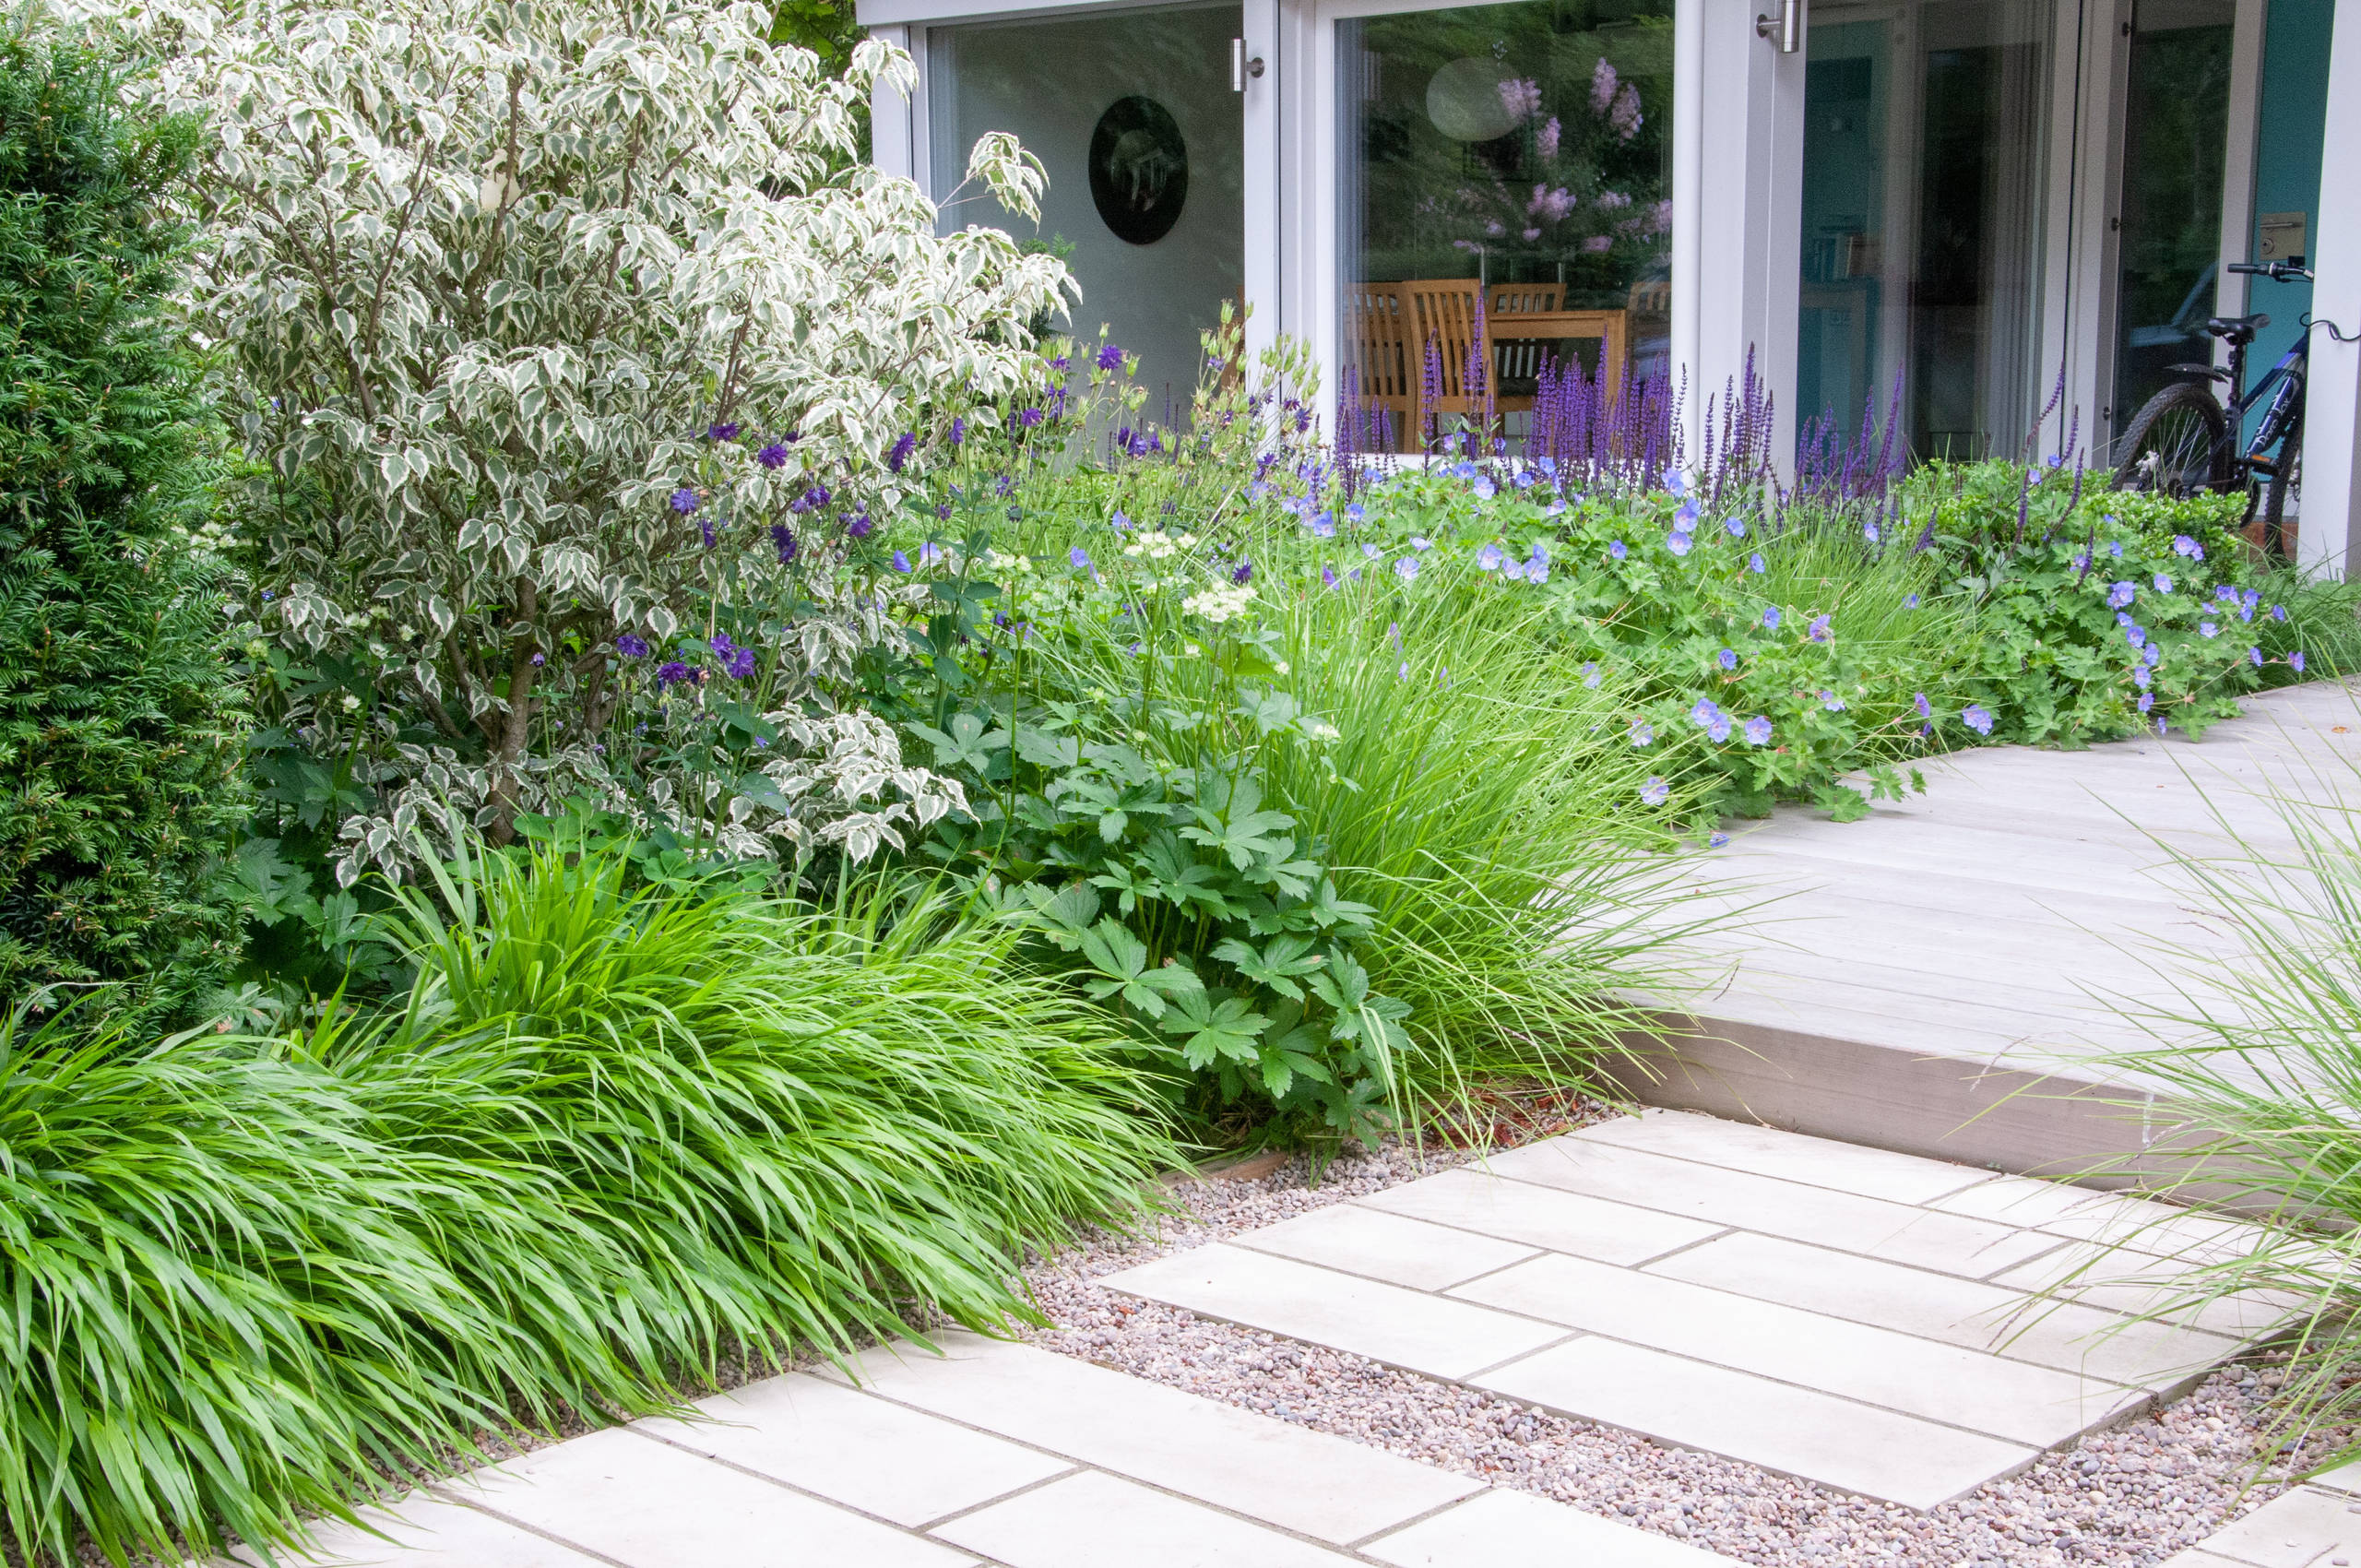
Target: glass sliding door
x,y
2174,133
1926,162
1133,115
1504,206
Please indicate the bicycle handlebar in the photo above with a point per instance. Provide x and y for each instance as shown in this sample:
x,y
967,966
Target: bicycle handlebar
x,y
2277,271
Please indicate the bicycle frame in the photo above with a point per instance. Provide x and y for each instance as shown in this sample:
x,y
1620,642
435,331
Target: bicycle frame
x,y
2284,379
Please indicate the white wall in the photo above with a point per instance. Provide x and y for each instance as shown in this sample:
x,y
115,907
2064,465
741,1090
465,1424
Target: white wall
x,y
2329,536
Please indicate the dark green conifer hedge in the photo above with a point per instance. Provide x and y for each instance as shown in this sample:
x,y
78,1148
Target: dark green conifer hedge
x,y
118,752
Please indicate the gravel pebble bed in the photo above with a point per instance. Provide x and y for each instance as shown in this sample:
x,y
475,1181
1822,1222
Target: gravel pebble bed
x,y
2130,1496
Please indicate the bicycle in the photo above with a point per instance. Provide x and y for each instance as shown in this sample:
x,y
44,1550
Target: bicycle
x,y
2183,441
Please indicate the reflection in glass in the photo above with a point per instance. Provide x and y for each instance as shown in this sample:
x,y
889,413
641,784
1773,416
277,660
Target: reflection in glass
x,y
1926,148
2177,117
1505,189
1154,228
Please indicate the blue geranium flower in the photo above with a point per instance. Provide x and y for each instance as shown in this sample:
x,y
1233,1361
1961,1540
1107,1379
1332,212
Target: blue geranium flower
x,y
2164,583
1489,559
1617,548
1978,719
1755,563
1737,527
1832,702
1819,631
1716,839
1727,659
1590,676
1642,733
1324,526
1926,709
1484,487
2295,662
1677,543
1407,568
1758,730
2207,629
2184,545
1655,792
1770,619
1911,602
2120,594
901,562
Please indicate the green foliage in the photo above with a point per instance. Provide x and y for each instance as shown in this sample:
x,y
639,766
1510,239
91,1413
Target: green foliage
x,y
2101,613
611,1136
117,717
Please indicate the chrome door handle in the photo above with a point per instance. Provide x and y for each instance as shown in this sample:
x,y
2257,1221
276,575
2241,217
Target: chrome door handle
x,y
1784,30
1241,67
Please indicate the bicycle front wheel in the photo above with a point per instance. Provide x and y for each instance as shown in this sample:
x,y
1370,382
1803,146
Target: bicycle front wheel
x,y
2179,444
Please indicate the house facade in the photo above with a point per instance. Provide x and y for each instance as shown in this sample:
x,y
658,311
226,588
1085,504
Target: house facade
x,y
1999,221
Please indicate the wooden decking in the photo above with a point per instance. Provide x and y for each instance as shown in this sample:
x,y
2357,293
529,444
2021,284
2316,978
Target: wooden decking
x,y
1937,977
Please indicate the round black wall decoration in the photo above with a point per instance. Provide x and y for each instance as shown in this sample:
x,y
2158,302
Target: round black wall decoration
x,y
1139,170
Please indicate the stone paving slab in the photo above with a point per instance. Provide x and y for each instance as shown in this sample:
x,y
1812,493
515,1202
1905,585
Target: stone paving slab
x,y
1854,1317
1508,1529
2302,1528
812,1471
1386,1322
1796,1431
1967,1312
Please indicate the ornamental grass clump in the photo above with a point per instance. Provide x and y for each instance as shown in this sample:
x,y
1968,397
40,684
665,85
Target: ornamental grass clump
x,y
612,1138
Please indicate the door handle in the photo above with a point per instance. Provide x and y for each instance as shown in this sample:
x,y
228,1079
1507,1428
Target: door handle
x,y
1241,67
1784,30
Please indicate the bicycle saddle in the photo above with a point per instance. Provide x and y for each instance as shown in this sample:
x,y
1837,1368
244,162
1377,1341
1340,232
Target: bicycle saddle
x,y
2236,328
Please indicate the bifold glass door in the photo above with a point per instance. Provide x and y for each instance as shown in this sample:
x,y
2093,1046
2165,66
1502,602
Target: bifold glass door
x,y
1926,169
1504,206
1133,115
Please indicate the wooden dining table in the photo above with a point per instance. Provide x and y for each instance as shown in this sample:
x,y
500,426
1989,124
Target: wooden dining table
x,y
1607,327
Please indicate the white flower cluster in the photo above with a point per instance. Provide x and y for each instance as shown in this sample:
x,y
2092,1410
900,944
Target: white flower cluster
x,y
1220,601
1154,544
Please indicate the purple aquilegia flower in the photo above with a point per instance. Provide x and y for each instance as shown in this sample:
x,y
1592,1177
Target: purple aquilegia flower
x,y
2120,594
2184,545
901,562
1977,718
1407,568
1817,631
900,453
1617,550
1025,419
859,526
540,660
1755,563
1770,619
1926,709
958,432
673,672
726,430
1758,730
2164,583
2295,662
737,662
1243,574
2208,630
1727,659
632,645
1642,733
783,538
704,529
1489,558
684,501
1110,358
1655,792
1677,543
772,457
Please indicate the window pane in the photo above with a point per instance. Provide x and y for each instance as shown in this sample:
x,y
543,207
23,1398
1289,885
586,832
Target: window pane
x,y
2175,122
1926,149
1499,161
1144,95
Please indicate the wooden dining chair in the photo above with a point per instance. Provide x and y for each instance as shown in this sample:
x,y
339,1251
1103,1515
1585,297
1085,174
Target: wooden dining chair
x,y
1378,352
1443,314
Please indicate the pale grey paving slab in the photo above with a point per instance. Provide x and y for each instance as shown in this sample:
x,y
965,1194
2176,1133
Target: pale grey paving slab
x,y
644,1505
2141,1224
2293,1530
867,1453
1899,1232
2137,1284
1092,1520
2197,1557
1385,1246
1899,1372
1854,1447
1385,1323
1306,1481
2344,1477
1541,1216
1766,1151
1508,1529
1967,1312
427,1532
